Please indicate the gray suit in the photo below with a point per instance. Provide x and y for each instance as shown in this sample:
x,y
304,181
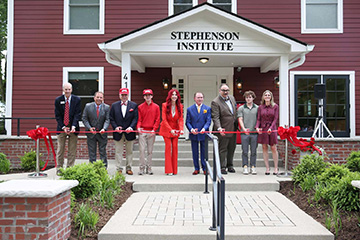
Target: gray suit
x,y
223,118
102,122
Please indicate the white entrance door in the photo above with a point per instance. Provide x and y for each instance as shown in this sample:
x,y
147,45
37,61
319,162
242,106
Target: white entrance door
x,y
207,84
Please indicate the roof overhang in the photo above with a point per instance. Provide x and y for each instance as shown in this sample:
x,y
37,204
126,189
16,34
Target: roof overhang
x,y
204,30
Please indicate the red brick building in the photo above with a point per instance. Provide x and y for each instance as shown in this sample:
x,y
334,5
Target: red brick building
x,y
286,46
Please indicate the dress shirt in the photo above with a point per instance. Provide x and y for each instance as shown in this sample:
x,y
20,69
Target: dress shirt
x,y
123,108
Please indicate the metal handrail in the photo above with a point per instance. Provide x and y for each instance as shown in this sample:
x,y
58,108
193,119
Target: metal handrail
x,y
24,118
218,216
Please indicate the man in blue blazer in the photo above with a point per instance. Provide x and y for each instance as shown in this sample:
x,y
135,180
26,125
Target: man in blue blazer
x,y
198,120
67,114
124,117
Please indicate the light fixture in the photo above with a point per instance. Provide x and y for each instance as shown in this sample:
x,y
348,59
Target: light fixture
x,y
165,83
239,83
277,82
203,60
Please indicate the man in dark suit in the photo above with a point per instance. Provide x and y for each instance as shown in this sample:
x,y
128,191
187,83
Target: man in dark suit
x,y
96,119
123,118
223,113
198,120
67,114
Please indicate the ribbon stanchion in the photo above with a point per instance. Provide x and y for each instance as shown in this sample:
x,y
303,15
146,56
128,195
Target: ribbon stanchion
x,y
36,134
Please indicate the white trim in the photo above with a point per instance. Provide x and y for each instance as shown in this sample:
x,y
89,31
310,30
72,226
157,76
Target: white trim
x,y
99,70
66,22
233,5
9,67
171,6
351,94
339,29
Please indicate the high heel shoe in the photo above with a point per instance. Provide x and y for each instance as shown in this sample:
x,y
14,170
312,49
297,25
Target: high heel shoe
x,y
267,172
277,172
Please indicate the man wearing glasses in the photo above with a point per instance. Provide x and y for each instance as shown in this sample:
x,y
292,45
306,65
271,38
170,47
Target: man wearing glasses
x,y
223,114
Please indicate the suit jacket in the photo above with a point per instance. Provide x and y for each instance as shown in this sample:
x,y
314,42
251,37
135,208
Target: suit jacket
x,y
222,116
90,118
130,119
198,120
74,112
169,122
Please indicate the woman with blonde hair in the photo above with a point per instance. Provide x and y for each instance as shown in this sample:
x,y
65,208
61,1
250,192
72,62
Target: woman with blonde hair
x,y
268,115
171,128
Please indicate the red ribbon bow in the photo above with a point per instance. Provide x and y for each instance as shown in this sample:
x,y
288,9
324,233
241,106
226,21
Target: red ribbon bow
x,y
39,133
291,135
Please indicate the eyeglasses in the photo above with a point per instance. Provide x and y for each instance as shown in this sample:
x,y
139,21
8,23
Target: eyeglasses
x,y
225,90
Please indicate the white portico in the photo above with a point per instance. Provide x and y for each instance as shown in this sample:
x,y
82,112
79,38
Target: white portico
x,y
228,40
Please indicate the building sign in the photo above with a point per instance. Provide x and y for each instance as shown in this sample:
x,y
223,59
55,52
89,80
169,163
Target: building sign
x,y
205,41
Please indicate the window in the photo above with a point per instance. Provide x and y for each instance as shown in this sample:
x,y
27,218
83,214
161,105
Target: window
x,y
227,5
84,16
178,6
321,16
85,82
335,105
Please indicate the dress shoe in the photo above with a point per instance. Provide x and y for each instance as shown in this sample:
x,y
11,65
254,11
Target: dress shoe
x,y
223,171
120,171
129,172
196,172
231,170
204,172
169,174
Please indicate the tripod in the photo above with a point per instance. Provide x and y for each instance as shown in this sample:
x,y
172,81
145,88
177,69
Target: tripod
x,y
320,126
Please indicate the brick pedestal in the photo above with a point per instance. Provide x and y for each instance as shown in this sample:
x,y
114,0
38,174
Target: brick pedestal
x,y
35,209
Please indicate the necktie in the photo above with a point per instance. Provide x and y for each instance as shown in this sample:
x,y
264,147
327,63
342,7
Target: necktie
x,y
66,114
97,110
123,103
198,107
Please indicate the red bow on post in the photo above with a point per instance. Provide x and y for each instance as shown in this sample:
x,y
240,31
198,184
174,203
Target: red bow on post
x,y
291,135
39,133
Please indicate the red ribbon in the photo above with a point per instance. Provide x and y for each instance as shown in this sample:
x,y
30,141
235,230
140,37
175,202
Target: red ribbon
x,y
291,135
44,133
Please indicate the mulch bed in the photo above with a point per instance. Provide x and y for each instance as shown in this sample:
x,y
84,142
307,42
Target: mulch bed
x,y
350,220
104,213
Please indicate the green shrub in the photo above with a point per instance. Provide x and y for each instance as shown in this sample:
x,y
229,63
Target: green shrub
x,y
353,162
4,163
308,183
86,174
28,161
344,195
72,200
85,219
311,166
333,174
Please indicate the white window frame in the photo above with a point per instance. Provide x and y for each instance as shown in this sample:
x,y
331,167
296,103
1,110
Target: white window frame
x,y
171,6
66,21
339,29
233,5
351,75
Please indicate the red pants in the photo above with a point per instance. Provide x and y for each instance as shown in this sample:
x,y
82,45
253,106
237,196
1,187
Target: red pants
x,y
171,154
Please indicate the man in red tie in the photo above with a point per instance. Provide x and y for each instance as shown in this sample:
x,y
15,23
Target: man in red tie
x,y
123,118
96,120
67,114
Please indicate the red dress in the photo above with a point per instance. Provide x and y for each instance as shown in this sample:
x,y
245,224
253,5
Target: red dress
x,y
266,119
168,123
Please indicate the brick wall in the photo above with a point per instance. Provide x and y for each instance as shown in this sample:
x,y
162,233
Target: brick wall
x,y
337,150
35,218
15,147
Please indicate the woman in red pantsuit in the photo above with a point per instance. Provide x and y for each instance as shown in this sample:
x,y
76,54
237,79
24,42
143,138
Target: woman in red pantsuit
x,y
171,127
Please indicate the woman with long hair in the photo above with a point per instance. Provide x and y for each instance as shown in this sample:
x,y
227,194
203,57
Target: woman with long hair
x,y
171,128
268,115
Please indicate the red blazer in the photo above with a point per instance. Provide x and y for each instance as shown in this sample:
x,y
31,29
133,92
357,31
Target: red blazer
x,y
169,122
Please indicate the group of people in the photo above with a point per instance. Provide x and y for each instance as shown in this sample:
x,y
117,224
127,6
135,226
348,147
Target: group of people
x,y
127,119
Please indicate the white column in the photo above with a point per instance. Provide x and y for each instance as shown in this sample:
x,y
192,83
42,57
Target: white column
x,y
284,91
126,72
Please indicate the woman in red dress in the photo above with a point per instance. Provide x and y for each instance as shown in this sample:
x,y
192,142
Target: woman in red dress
x,y
268,114
171,128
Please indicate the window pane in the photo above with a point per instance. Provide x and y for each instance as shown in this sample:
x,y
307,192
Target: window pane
x,y
183,1
181,8
221,1
330,98
84,17
84,2
321,16
84,84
